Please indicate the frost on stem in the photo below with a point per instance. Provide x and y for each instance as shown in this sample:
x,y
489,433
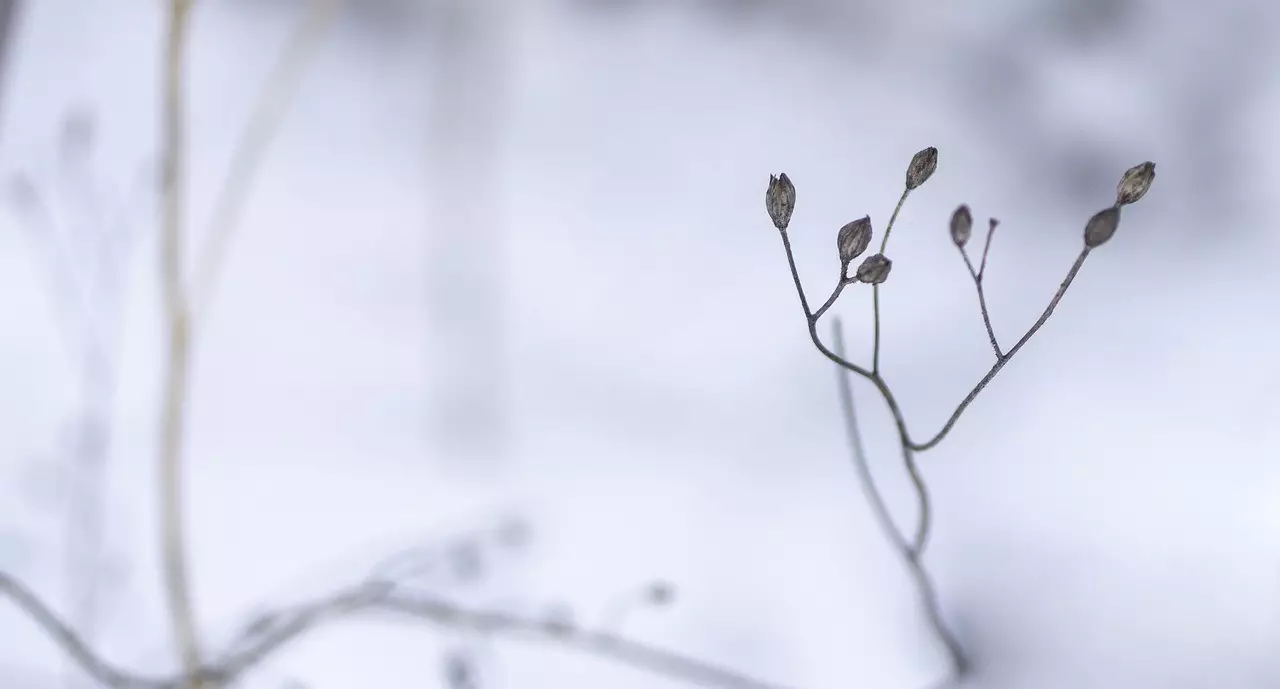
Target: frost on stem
x,y
875,269
921,168
780,200
1135,183
854,238
961,225
1101,226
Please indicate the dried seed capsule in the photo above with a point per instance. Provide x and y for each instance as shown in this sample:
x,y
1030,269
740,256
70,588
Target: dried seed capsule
x,y
961,225
854,238
875,269
780,200
1135,183
922,166
1101,226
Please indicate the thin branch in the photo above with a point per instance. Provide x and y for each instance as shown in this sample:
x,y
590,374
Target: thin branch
x,y
982,299
912,553
960,664
884,241
811,318
795,275
883,387
252,145
854,435
835,294
986,246
257,645
71,643
875,289
1000,363
172,202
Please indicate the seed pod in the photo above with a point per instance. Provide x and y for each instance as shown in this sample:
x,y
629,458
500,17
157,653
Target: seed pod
x,y
1101,226
874,270
922,166
780,200
961,225
1135,183
854,238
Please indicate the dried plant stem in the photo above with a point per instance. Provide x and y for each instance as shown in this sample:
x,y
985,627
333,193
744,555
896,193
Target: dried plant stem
x,y
883,387
291,624
875,289
246,158
172,201
1006,358
178,301
912,553
982,302
854,436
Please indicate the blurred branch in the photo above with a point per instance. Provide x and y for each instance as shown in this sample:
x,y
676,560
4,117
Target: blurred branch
x,y
261,640
178,301
70,642
252,145
177,316
912,553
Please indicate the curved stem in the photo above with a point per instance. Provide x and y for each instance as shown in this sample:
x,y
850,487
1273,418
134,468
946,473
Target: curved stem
x,y
177,586
982,302
256,646
1002,361
252,145
854,436
912,553
875,289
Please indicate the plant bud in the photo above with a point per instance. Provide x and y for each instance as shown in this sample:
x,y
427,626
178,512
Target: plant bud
x,y
1135,183
874,270
961,225
1101,226
780,200
922,166
854,238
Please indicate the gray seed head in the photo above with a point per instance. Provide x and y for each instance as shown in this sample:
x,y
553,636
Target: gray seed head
x,y
1135,183
854,238
780,200
874,269
1101,226
922,166
961,225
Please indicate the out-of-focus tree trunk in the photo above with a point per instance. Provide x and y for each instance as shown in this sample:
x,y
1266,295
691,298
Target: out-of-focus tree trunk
x,y
465,262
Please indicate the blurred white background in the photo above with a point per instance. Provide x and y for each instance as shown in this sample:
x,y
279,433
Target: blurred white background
x,y
508,262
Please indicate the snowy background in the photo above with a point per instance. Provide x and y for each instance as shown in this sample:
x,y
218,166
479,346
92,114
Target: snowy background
x,y
506,265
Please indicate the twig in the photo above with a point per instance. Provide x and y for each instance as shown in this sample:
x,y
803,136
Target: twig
x,y
172,202
66,637
1002,361
854,436
883,387
982,296
875,289
381,598
912,553
252,145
